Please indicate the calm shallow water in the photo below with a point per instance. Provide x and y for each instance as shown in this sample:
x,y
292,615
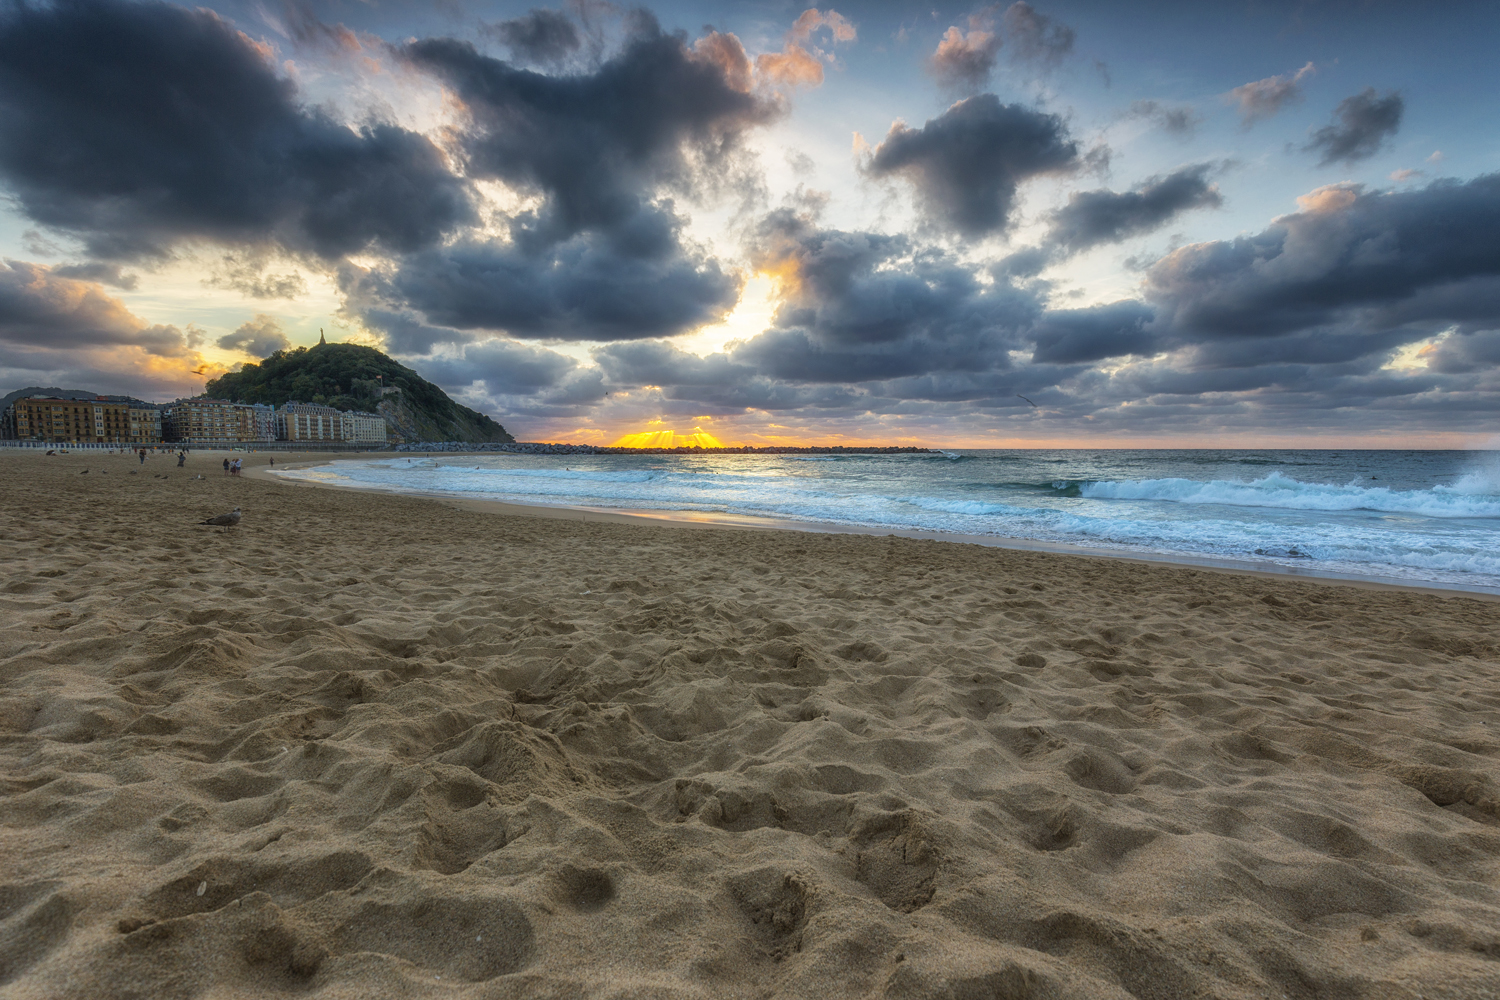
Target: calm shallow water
x,y
1417,516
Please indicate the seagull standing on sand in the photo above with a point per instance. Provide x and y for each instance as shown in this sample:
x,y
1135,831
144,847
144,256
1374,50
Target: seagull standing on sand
x,y
226,521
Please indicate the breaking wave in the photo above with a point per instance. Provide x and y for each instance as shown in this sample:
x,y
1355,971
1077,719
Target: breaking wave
x,y
1474,495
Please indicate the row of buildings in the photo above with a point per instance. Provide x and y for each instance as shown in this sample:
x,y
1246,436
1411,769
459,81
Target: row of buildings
x,y
190,422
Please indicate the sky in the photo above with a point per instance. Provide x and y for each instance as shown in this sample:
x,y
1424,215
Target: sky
x,y
1087,224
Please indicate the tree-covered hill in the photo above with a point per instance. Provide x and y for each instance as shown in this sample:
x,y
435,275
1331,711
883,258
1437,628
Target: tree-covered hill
x,y
352,377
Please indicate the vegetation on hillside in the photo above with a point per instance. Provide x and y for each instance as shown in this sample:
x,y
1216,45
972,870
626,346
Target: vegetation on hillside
x,y
352,377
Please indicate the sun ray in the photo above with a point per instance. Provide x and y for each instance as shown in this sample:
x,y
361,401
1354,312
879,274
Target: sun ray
x,y
697,438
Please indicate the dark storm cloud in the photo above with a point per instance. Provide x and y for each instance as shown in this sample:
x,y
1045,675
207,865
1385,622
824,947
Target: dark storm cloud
x,y
261,337
1459,353
540,36
370,299
39,309
657,115
857,308
1291,326
590,287
656,362
1364,122
863,306
967,163
135,125
1071,336
1094,217
603,257
105,274
458,360
502,368
717,380
1366,262
1323,346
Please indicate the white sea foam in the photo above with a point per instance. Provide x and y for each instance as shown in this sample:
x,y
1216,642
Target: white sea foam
x,y
1472,496
1437,534
1483,479
974,508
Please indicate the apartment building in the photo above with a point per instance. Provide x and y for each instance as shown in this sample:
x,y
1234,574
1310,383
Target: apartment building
x,y
365,428
145,424
263,419
205,421
81,421
190,422
311,422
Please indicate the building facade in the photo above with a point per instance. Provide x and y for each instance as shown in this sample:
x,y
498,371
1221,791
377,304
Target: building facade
x,y
308,422
311,422
206,421
82,421
263,418
145,424
365,428
188,422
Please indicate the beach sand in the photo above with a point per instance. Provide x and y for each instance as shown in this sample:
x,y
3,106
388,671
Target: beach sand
x,y
366,745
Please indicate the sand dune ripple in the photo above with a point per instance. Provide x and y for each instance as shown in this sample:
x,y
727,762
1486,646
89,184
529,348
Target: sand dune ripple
x,y
378,746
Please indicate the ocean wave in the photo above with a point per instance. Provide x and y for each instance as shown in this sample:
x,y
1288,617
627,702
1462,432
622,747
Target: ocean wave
x,y
1356,548
973,508
1299,524
1277,490
1483,481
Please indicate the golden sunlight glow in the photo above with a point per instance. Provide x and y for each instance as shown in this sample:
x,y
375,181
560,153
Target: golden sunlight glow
x,y
1414,357
699,438
751,315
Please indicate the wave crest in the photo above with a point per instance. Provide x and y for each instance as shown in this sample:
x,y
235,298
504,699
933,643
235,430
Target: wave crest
x,y
1476,498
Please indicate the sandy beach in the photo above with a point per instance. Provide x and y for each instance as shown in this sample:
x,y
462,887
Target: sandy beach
x,y
367,745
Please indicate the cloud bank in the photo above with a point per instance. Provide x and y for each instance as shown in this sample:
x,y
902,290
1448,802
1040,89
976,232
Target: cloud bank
x,y
554,206
137,125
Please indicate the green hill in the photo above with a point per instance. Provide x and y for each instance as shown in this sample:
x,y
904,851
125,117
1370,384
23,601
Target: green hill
x,y
351,377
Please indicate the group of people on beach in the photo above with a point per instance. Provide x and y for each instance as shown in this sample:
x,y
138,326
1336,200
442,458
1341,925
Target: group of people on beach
x,y
232,468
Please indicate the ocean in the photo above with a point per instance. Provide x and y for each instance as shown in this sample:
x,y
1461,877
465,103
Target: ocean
x,y
1416,517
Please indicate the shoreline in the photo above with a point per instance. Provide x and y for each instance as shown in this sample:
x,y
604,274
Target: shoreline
x,y
362,744
695,519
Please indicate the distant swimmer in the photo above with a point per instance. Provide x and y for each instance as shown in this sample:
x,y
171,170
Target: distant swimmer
x,y
1019,396
225,521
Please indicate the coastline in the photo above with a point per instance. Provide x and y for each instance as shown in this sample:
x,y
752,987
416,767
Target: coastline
x,y
689,519
366,744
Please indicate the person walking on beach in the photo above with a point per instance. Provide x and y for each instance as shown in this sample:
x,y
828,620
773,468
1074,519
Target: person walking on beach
x,y
226,466
143,456
181,459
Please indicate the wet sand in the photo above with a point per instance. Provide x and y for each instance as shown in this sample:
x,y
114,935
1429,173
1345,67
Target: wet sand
x,y
372,745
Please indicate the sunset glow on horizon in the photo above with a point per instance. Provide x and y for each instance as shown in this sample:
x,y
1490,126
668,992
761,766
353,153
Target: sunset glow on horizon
x,y
669,439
